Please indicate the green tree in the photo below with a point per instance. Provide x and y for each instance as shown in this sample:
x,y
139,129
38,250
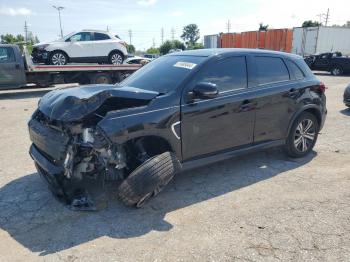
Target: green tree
x,y
178,45
190,34
310,23
131,49
195,46
166,47
152,50
263,27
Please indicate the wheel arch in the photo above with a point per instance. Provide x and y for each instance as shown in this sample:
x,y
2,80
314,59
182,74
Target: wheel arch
x,y
59,50
157,143
313,109
117,51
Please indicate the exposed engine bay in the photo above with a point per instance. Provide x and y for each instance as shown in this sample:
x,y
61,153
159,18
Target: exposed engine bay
x,y
65,131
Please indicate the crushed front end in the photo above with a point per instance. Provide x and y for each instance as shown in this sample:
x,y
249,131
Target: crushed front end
x,y
68,147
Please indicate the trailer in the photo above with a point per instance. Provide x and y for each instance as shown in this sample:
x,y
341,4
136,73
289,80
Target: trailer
x,y
18,70
322,39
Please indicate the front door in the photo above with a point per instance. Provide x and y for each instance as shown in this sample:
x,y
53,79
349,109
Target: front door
x,y
81,47
209,126
11,70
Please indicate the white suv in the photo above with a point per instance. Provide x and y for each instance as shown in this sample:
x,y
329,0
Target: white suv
x,y
86,46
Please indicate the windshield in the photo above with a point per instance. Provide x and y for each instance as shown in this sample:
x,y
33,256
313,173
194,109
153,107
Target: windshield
x,y
163,74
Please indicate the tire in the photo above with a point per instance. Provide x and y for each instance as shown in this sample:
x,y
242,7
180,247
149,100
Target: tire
x,y
58,58
148,179
336,70
302,137
116,58
101,78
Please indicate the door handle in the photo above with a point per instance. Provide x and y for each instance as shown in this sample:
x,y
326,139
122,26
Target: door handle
x,y
247,105
17,66
293,92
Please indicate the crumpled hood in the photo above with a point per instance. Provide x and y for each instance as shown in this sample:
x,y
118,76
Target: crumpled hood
x,y
73,104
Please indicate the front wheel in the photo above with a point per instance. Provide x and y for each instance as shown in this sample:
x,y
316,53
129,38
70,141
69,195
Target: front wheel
x,y
58,58
302,136
148,179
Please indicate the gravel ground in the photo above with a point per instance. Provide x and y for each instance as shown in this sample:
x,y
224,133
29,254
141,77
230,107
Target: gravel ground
x,y
259,207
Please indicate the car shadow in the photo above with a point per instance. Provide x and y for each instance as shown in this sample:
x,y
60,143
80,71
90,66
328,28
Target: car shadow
x,y
23,94
345,111
320,73
31,215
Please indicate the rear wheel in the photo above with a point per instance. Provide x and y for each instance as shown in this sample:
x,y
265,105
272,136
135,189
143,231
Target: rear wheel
x,y
336,70
116,58
148,179
101,78
303,135
58,58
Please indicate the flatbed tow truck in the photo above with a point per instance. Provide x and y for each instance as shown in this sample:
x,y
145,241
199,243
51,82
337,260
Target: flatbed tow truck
x,y
18,70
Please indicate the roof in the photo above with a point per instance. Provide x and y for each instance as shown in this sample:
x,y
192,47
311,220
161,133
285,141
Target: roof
x,y
221,51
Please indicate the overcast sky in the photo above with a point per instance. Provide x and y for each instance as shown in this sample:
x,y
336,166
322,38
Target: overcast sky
x,y
146,17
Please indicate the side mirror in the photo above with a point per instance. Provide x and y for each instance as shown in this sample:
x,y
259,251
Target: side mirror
x,y
205,90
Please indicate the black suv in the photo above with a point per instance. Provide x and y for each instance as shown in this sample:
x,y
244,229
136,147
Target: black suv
x,y
180,111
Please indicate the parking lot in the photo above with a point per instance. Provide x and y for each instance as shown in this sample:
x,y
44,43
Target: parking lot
x,y
259,207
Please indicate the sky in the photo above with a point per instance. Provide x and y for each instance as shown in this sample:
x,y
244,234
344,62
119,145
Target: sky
x,y
146,17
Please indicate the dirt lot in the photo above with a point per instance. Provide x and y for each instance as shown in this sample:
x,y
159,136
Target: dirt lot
x,y
260,207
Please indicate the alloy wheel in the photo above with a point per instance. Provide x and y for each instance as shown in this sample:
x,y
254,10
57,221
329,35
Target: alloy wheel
x,y
116,59
304,136
58,59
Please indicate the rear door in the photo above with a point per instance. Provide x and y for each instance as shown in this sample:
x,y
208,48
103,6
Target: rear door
x,y
276,95
209,126
103,44
11,68
81,46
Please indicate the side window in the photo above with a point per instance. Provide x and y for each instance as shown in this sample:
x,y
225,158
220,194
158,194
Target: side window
x,y
295,70
271,70
228,74
100,36
83,36
7,55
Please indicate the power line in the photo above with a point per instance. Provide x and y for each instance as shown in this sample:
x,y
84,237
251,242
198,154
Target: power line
x,y
172,34
130,36
26,31
327,17
228,26
162,35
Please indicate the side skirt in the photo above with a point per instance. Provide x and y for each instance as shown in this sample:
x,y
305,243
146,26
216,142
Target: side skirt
x,y
229,154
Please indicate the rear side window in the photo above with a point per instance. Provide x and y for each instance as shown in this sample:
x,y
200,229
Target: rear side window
x,y
7,55
228,74
295,70
271,70
100,36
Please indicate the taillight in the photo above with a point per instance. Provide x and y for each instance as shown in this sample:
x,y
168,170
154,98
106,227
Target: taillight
x,y
124,44
321,88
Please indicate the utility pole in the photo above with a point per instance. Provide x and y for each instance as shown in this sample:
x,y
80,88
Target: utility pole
x,y
154,44
228,26
162,35
172,34
26,32
130,36
327,17
59,8
107,28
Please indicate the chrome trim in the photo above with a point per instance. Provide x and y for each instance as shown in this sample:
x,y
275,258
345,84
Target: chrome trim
x,y
173,129
142,113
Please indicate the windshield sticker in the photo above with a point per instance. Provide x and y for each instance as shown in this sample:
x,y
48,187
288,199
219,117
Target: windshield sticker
x,y
186,65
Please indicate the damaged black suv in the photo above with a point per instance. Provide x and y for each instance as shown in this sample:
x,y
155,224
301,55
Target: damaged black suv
x,y
180,111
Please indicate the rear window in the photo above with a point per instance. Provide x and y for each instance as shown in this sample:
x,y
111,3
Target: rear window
x,y
163,74
100,36
7,55
271,70
295,70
